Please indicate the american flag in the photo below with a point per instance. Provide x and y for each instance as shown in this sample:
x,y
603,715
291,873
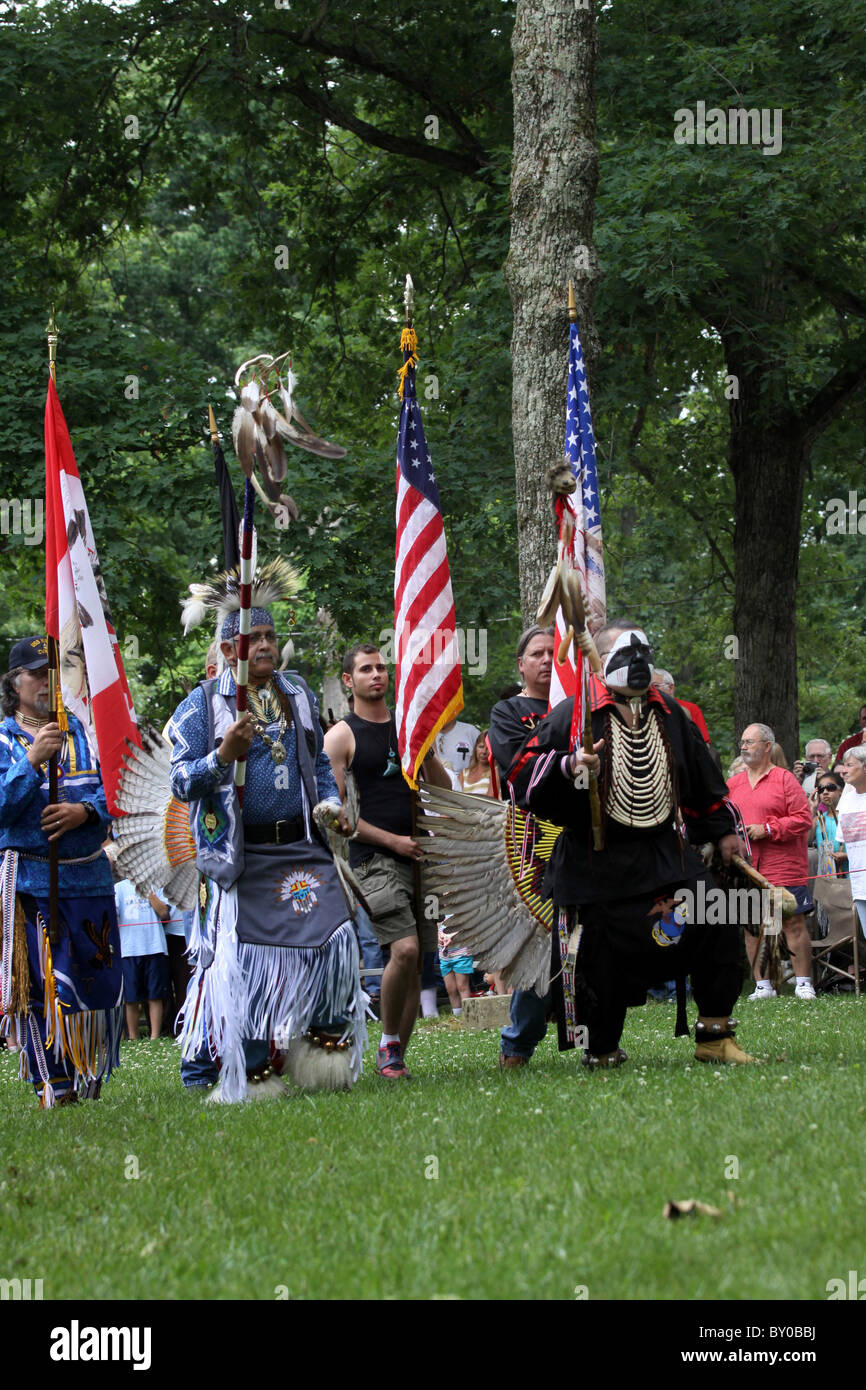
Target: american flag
x,y
584,507
428,685
93,680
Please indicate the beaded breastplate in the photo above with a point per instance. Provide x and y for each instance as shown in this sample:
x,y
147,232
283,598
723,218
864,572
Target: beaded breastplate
x,y
639,787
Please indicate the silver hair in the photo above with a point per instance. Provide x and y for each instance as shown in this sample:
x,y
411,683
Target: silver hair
x,y
766,733
858,755
827,747
667,678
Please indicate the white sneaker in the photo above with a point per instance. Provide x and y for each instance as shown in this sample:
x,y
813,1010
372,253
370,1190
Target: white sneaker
x,y
764,994
805,991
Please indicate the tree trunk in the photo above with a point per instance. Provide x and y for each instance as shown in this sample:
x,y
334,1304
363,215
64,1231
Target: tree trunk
x,y
553,181
767,458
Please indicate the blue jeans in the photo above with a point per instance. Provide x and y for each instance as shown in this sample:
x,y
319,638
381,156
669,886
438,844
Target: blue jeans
x,y
528,1023
201,1070
371,951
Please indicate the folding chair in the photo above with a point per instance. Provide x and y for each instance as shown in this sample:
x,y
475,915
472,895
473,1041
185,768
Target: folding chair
x,y
835,895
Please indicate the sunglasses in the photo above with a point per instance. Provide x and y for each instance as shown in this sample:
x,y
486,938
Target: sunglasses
x,y
829,787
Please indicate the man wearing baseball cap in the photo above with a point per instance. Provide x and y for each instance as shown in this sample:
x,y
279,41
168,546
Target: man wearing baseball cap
x,y
61,990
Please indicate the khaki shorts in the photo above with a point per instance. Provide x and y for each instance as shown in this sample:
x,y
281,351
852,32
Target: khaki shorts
x,y
388,887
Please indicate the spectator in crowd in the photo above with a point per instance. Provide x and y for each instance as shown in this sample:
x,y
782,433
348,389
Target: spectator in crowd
x,y
855,740
824,802
383,851
176,928
851,815
454,744
456,968
665,681
431,978
818,753
145,956
778,821
777,756
477,778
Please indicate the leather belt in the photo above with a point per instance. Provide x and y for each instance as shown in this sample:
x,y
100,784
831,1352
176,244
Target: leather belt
x,y
278,832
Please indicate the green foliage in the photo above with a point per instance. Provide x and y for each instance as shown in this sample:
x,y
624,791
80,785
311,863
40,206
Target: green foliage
x,y
307,129
180,281
713,252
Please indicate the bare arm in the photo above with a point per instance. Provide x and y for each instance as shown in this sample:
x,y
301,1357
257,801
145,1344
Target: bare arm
x,y
340,747
386,839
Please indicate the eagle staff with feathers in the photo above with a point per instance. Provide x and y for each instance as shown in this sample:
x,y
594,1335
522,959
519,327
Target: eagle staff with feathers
x,y
235,818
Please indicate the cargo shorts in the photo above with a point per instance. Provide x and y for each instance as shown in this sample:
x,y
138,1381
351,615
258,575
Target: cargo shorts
x,y
389,888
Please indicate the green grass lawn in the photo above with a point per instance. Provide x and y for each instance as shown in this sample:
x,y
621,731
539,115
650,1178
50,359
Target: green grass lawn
x,y
549,1179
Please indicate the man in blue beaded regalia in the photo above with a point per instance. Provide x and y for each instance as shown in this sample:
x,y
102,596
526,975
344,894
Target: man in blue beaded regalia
x,y
61,991
276,954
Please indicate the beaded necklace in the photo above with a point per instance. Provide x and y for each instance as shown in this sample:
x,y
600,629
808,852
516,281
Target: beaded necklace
x,y
265,708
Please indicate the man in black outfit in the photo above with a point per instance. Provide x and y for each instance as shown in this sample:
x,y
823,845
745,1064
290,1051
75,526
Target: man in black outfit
x,y
660,794
383,849
512,721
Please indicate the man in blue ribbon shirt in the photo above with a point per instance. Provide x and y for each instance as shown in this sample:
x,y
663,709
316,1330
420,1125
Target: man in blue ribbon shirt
x,y
63,996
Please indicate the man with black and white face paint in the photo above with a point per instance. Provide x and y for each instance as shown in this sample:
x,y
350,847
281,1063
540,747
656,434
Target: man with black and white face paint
x,y
660,793
628,668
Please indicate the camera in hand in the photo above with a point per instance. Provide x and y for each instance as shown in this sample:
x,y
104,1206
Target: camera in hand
x,y
809,767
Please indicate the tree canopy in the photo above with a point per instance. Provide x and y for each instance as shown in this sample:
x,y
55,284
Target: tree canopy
x,y
191,183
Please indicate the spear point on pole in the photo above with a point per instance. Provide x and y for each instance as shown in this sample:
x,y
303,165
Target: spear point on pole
x,y
53,335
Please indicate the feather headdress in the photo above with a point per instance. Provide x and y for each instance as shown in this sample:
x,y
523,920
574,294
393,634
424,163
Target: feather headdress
x,y
272,583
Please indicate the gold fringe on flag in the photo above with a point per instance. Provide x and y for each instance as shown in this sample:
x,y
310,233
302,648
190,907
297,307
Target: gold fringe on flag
x,y
408,343
20,992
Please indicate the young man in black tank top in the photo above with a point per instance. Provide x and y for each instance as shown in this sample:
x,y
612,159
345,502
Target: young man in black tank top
x,y
383,851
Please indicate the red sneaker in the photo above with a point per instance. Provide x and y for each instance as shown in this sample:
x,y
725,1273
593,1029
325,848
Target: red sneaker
x,y
390,1064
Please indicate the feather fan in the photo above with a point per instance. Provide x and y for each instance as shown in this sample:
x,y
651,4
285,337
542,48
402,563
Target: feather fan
x,y
484,861
154,842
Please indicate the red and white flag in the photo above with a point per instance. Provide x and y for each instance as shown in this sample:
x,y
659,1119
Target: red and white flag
x,y
93,681
428,688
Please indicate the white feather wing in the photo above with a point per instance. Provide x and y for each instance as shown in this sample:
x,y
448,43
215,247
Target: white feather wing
x,y
155,847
